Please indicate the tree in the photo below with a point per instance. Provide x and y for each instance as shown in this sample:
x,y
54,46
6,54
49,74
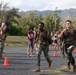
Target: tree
x,y
8,15
31,19
12,16
49,22
57,19
3,11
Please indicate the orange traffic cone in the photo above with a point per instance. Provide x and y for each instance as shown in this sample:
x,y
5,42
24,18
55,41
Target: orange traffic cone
x,y
6,62
74,50
54,53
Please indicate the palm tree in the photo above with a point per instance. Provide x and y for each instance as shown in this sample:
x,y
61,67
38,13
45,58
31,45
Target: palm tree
x,y
12,16
8,15
3,10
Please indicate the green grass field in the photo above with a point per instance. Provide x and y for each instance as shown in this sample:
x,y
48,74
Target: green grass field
x,y
16,41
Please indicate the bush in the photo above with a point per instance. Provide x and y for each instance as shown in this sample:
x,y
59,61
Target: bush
x,y
17,31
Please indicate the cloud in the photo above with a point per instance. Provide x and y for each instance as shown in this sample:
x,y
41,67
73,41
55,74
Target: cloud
x,y
41,5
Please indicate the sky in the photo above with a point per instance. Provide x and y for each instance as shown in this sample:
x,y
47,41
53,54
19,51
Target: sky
x,y
26,5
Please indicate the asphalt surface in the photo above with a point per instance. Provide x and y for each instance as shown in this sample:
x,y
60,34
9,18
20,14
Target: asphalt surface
x,y
21,64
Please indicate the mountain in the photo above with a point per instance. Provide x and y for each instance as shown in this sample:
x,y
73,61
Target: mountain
x,y
68,13
63,13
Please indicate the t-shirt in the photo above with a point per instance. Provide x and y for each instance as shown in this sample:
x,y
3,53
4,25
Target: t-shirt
x,y
55,37
31,34
69,38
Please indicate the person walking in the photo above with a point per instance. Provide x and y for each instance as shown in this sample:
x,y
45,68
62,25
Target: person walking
x,y
69,36
43,45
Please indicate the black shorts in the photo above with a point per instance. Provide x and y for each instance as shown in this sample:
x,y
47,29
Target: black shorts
x,y
55,41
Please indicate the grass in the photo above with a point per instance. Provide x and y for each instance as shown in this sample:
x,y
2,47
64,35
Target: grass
x,y
16,41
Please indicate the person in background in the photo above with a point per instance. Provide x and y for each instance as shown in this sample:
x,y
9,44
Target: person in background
x,y
61,43
69,36
30,48
1,43
4,28
35,37
56,46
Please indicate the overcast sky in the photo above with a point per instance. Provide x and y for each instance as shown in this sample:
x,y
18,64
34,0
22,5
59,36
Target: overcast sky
x,y
26,5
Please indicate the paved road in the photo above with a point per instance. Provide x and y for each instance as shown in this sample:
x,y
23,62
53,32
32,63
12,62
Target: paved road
x,y
20,64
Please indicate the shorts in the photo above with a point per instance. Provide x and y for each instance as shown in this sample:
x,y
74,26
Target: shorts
x,y
55,41
31,44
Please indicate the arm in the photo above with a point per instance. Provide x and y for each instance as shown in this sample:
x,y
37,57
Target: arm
x,y
1,34
30,37
75,36
61,34
34,33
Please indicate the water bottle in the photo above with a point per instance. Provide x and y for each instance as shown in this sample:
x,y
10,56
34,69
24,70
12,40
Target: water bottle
x,y
70,49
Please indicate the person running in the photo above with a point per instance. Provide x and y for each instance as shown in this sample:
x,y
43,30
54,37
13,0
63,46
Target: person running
x,y
4,28
43,45
61,43
56,46
69,36
1,43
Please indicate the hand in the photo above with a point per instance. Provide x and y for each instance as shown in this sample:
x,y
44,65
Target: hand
x,y
64,30
31,37
42,35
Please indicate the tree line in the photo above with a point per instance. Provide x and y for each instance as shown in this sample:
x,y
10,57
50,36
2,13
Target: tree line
x,y
18,24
